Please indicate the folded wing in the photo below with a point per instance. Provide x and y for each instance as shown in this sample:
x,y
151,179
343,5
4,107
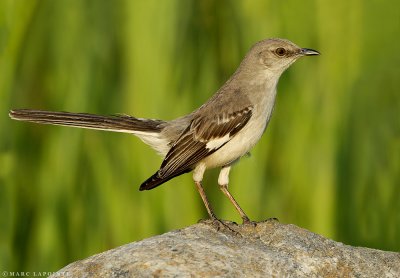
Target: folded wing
x,y
203,137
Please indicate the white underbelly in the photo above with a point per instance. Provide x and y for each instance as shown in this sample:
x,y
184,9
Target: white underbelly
x,y
239,145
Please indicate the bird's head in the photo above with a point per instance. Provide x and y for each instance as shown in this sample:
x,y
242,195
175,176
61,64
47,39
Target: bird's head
x,y
275,55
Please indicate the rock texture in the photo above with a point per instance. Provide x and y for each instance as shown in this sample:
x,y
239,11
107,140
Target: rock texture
x,y
269,249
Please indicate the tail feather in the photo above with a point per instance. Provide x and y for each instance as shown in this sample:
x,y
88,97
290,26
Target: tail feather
x,y
119,123
155,180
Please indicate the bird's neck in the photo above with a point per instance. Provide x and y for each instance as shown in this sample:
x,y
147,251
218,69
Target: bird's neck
x,y
254,82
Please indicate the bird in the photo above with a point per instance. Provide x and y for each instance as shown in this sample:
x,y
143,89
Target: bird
x,y
215,135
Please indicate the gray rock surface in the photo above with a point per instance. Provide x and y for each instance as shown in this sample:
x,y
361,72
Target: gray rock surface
x,y
269,249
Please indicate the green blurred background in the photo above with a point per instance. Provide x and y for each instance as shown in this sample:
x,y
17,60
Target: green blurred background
x,y
329,161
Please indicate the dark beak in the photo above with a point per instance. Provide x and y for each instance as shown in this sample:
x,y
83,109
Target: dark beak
x,y
308,52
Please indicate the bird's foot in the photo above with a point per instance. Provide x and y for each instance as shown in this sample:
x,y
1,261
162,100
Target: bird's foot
x,y
221,225
247,221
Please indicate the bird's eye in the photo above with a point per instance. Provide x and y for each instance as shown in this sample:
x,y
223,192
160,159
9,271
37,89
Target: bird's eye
x,y
280,51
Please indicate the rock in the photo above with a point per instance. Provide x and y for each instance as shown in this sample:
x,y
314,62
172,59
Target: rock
x,y
267,249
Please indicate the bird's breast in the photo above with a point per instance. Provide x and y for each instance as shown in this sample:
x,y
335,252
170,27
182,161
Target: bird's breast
x,y
246,138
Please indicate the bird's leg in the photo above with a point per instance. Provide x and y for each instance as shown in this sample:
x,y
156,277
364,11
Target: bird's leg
x,y
205,200
223,181
214,220
245,218
198,177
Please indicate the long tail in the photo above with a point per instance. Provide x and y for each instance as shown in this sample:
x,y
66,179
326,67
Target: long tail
x,y
119,123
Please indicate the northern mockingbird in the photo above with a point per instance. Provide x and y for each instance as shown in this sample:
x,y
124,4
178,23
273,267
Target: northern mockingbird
x,y
217,134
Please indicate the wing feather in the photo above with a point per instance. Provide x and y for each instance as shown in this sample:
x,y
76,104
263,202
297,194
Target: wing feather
x,y
191,147
204,136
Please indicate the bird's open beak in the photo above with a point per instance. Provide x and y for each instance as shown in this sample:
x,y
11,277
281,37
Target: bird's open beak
x,y
308,52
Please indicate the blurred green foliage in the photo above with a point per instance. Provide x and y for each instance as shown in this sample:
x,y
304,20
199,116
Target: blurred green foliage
x,y
329,161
